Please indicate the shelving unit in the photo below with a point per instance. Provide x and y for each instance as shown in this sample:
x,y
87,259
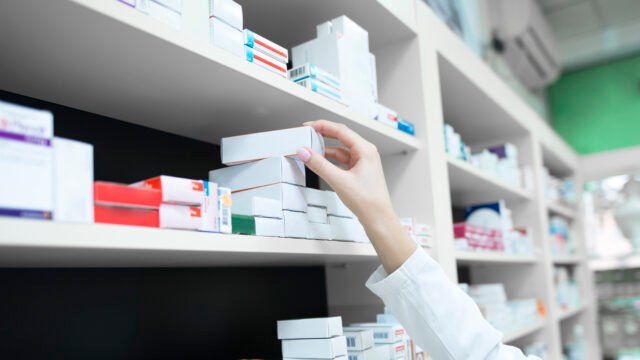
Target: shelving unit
x,y
71,53
566,314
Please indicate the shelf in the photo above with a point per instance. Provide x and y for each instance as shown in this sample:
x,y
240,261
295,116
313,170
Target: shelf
x,y
564,315
527,330
557,208
36,243
566,260
469,257
71,53
470,185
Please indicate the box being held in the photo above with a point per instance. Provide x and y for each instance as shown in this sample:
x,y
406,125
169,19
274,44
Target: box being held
x,y
73,181
266,46
315,348
313,328
268,171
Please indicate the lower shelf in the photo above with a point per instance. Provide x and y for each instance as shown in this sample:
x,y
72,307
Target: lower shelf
x,y
36,243
565,314
515,335
471,257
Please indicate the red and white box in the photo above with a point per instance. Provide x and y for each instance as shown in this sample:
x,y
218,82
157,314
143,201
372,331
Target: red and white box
x,y
126,216
187,217
177,190
265,62
120,195
266,46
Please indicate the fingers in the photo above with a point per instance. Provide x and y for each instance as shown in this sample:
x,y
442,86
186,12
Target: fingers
x,y
339,154
321,166
337,131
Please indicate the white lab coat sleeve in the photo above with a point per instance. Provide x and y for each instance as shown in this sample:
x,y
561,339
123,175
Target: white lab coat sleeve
x,y
437,314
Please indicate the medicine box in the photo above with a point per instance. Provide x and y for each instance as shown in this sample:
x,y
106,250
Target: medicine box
x,y
126,216
226,37
257,206
387,116
252,147
26,162
310,71
266,46
112,194
295,224
319,231
315,348
265,61
406,126
313,328
228,11
322,89
358,340
195,19
316,197
383,333
189,217
394,351
164,13
335,206
344,26
372,353
347,229
253,225
317,214
268,171
73,181
177,190
291,197
224,210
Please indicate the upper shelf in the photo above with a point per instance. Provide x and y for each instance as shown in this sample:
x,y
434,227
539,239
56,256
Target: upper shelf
x,y
470,185
487,257
557,208
37,243
106,58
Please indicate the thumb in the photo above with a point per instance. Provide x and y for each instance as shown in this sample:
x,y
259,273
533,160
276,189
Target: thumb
x,y
319,165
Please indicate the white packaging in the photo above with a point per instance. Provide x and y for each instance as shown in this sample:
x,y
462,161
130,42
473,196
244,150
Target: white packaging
x,y
319,231
383,333
322,89
73,181
335,206
266,46
387,116
265,62
177,190
258,206
343,26
422,229
314,328
164,14
260,173
316,197
310,71
195,19
373,353
358,340
315,348
226,37
202,218
224,210
317,214
394,351
286,142
26,162
228,11
291,197
269,227
295,224
346,229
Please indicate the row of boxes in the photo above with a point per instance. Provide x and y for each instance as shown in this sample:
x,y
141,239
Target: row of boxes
x,y
422,234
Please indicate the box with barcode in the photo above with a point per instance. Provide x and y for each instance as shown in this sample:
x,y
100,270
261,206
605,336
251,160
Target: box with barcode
x,y
322,89
358,339
224,210
310,71
314,348
312,328
393,351
373,353
382,333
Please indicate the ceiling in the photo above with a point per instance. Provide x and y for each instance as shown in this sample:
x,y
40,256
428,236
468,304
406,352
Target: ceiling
x,y
593,31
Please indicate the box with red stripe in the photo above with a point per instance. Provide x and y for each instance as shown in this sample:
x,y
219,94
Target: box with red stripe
x,y
265,61
266,46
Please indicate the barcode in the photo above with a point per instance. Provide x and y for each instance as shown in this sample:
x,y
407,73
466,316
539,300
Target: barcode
x,y
381,335
303,83
298,71
225,216
351,341
353,357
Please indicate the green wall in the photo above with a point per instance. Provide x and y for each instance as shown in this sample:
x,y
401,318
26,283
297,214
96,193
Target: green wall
x,y
598,109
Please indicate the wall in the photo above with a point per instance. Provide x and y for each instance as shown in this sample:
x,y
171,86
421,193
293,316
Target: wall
x,y
598,109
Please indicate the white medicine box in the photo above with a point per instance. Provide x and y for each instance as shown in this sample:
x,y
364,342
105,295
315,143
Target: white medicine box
x,y
315,348
358,339
313,328
291,197
73,181
260,173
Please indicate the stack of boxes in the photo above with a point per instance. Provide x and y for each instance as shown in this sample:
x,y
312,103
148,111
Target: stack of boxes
x,y
269,193
265,53
389,339
225,26
318,338
125,205
422,234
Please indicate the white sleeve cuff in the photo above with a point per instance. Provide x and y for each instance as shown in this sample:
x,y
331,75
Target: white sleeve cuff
x,y
382,284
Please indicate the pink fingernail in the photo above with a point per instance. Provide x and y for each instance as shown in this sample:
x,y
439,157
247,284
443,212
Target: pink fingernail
x,y
303,154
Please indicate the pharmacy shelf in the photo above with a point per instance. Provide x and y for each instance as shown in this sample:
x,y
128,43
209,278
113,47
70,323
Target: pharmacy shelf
x,y
520,333
566,314
34,243
470,185
566,260
557,208
486,257
117,62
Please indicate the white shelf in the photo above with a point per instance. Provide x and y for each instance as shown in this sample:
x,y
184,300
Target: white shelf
x,y
37,243
520,333
128,66
566,314
566,260
484,257
557,208
470,185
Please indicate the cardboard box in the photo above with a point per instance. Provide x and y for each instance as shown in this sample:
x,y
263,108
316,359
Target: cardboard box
x,y
406,126
316,197
119,195
253,225
126,216
295,224
387,116
383,333
195,19
315,348
335,206
317,215
228,11
164,14
346,229
26,162
177,190
73,181
187,217
226,37
265,61
291,197
258,206
373,353
268,171
266,46
252,147
224,210
313,328
319,231
322,89
358,340
310,71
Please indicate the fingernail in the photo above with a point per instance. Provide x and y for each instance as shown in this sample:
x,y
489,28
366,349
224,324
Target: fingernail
x,y
307,123
303,154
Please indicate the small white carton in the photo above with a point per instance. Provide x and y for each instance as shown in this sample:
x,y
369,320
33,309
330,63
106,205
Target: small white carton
x,y
335,206
268,171
322,89
224,210
226,37
195,19
291,197
319,231
393,351
26,162
228,11
310,71
73,181
387,116
358,339
316,197
252,147
258,206
372,353
315,348
295,224
203,217
269,227
265,61
344,26
346,229
383,333
177,190
317,214
313,328
266,46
